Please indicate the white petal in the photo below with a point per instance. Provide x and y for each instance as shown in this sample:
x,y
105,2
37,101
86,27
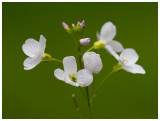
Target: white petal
x,y
112,52
70,65
92,62
31,47
135,68
108,32
42,43
59,74
98,35
129,55
30,63
84,78
117,46
69,81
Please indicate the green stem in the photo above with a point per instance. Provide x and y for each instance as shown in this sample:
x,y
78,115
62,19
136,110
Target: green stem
x,y
89,105
82,92
53,59
80,56
90,49
93,94
104,80
76,105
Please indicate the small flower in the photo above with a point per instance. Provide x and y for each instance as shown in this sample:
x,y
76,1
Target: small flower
x,y
35,51
92,62
107,33
127,61
71,76
85,41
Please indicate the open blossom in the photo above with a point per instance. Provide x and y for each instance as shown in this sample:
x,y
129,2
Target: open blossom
x,y
71,76
92,62
127,61
107,33
35,51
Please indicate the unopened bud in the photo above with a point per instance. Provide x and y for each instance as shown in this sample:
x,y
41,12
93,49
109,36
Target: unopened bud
x,y
85,41
83,24
65,26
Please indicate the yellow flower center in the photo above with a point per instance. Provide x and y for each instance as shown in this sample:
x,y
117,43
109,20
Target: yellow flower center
x,y
73,77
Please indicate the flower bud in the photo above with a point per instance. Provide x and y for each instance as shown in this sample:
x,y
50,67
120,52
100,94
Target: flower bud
x,y
99,44
92,62
85,41
73,25
65,26
83,24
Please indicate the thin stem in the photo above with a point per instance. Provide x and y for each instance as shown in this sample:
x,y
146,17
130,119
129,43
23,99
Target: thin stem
x,y
53,59
89,105
93,92
80,56
104,80
76,105
82,92
90,49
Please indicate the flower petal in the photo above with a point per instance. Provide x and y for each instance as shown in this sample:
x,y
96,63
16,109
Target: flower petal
x,y
42,43
84,78
117,46
98,35
108,31
30,63
112,52
69,81
135,68
92,62
129,55
31,47
59,74
70,65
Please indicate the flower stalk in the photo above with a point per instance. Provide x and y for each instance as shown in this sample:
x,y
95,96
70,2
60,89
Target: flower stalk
x,y
76,106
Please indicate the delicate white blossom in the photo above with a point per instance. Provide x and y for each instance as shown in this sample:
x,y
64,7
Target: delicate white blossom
x,y
92,62
35,51
107,33
127,61
71,76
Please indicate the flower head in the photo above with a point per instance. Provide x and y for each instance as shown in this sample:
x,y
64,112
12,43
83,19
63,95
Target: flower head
x,y
71,76
107,33
127,61
35,50
92,62
85,41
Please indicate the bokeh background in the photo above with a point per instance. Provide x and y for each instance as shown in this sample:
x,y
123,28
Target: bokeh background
x,y
38,94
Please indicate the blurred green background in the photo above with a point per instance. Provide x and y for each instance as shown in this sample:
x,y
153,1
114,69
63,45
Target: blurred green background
x,y
38,94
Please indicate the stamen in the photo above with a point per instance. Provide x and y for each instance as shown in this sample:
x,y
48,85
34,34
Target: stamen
x,y
73,77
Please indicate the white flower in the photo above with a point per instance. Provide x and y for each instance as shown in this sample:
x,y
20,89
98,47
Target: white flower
x,y
92,62
107,33
127,61
71,76
35,51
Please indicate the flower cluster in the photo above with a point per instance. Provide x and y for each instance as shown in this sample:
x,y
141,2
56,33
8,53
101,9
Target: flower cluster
x,y
91,61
